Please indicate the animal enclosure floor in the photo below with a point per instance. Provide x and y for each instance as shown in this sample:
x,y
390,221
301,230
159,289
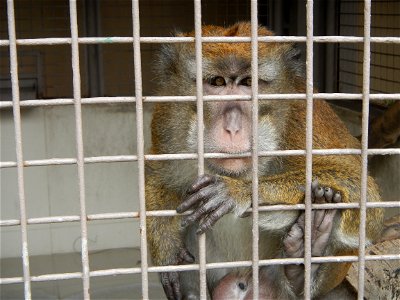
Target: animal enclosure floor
x,y
106,287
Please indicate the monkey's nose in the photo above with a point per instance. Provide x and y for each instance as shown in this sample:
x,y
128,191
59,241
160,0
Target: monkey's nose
x,y
233,121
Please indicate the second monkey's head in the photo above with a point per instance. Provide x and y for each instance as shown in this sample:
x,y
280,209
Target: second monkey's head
x,y
227,71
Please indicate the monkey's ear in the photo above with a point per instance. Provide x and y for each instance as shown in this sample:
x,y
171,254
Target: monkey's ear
x,y
166,61
167,58
294,60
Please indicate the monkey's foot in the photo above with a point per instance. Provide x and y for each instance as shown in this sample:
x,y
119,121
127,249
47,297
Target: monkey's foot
x,y
321,229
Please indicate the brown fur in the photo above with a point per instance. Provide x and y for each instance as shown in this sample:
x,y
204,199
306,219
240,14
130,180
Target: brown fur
x,y
215,50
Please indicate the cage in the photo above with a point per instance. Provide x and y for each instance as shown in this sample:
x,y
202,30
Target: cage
x,y
77,91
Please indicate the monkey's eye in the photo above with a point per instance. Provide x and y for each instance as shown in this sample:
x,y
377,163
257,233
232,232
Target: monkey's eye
x,y
246,81
242,286
217,81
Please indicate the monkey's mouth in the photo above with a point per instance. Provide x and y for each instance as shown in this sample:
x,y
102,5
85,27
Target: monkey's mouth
x,y
230,166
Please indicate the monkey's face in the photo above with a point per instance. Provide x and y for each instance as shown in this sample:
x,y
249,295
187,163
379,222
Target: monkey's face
x,y
227,71
228,124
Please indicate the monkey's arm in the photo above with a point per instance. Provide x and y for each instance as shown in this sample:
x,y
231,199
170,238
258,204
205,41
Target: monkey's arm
x,y
214,196
164,233
285,189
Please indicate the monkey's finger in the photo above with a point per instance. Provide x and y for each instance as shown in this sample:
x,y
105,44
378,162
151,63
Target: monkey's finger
x,y
217,214
185,256
319,215
328,193
301,220
200,212
319,195
203,194
294,242
322,231
325,198
327,222
177,290
167,279
314,184
201,182
337,197
195,216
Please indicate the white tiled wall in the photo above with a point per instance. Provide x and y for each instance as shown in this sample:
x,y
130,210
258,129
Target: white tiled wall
x,y
53,190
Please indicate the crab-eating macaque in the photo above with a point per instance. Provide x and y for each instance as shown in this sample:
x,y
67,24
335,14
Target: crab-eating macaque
x,y
220,198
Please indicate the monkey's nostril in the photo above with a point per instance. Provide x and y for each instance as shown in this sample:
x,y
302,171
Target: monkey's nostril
x,y
232,131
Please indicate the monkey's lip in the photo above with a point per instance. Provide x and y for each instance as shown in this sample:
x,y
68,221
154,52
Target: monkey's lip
x,y
230,165
236,154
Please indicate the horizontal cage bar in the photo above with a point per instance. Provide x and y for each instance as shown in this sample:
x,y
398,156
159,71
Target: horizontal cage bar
x,y
171,213
156,99
160,40
195,267
187,156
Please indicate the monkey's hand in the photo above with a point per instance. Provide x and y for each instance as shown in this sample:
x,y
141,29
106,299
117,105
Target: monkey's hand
x,y
170,280
209,198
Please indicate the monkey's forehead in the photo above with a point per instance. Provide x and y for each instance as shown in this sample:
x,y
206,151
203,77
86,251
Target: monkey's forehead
x,y
241,29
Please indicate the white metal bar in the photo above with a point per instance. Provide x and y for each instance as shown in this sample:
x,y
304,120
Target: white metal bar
x,y
156,99
200,136
140,146
171,213
309,146
364,146
186,156
128,40
254,146
18,147
191,267
79,146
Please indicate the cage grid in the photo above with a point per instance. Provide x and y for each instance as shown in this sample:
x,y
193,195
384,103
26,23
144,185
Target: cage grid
x,y
80,160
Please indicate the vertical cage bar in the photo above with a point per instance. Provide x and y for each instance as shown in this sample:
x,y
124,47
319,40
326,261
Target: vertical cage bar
x,y
254,149
200,136
364,145
79,145
140,145
309,145
18,146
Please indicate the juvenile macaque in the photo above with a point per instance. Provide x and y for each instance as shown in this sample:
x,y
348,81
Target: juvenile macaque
x,y
221,196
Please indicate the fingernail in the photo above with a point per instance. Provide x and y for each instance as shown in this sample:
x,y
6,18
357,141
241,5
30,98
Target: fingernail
x,y
314,184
